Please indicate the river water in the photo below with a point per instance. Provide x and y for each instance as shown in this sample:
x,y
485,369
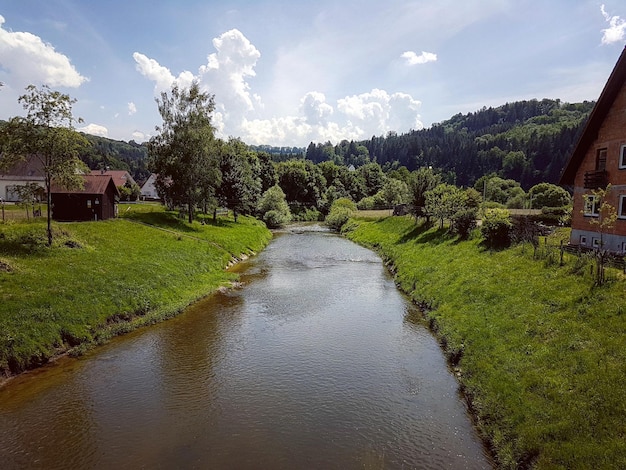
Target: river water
x,y
317,362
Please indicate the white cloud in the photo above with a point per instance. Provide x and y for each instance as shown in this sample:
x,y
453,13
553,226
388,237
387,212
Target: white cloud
x,y
132,108
239,111
616,32
29,60
162,76
140,136
226,71
413,59
94,129
315,108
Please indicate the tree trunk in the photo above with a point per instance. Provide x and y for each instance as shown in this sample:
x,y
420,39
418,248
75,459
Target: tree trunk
x,y
49,200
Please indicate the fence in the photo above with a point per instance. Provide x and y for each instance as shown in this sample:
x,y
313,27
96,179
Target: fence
x,y
613,260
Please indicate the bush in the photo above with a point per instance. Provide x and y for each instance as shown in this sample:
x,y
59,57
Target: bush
x,y
337,217
496,227
273,202
464,221
341,210
275,219
372,202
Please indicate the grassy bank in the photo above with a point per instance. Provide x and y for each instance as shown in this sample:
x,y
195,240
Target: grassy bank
x,y
539,351
103,278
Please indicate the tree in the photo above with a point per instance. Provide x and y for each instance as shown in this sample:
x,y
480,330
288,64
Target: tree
x,y
422,180
373,178
273,207
548,195
240,188
395,192
606,217
47,134
302,182
28,195
444,201
184,153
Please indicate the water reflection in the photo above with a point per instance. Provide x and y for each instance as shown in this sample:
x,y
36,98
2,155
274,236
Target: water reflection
x,y
318,362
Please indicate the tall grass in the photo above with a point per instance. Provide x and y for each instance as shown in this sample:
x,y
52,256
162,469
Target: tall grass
x,y
103,278
540,352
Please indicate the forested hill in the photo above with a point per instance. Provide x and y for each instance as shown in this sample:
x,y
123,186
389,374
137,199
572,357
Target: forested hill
x,y
117,155
528,141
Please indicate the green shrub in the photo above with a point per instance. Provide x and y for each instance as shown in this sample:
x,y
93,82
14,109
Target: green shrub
x,y
275,219
496,227
341,210
337,217
464,221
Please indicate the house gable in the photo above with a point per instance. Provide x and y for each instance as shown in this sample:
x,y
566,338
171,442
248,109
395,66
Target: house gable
x,y
599,159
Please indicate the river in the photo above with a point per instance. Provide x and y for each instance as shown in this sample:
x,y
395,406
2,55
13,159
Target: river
x,y
317,362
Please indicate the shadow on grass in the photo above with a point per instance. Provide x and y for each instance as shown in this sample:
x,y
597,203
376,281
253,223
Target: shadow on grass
x,y
170,220
423,233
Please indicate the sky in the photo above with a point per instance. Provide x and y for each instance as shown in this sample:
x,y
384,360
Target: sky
x,y
287,73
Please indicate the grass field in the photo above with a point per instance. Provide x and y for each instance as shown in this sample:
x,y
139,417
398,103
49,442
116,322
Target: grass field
x,y
539,350
102,278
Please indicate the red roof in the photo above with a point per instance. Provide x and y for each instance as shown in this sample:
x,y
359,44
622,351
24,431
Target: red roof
x,y
596,118
94,184
120,177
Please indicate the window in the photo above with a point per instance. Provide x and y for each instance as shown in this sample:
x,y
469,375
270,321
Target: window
x,y
622,156
601,160
590,205
583,240
622,207
89,203
595,242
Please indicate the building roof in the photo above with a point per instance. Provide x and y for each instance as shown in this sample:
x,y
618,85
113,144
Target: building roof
x,y
94,184
596,118
29,168
120,177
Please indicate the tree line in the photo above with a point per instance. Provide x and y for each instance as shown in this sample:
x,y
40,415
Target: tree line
x,y
198,171
528,141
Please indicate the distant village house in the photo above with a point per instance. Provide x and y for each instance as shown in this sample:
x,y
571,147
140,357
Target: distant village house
x,y
148,189
23,173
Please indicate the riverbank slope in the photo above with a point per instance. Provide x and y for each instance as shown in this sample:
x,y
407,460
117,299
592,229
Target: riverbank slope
x,y
101,279
539,351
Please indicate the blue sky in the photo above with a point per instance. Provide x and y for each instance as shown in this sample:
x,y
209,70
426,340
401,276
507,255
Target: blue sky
x,y
288,73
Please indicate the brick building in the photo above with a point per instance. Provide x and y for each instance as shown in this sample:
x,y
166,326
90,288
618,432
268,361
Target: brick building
x,y
599,159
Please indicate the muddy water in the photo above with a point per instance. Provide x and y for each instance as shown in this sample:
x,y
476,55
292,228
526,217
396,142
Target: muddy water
x,y
317,362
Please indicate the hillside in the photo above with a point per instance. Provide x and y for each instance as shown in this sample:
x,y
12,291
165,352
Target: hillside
x,y
528,141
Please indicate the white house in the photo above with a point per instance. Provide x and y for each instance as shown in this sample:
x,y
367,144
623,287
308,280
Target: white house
x,y
148,190
21,174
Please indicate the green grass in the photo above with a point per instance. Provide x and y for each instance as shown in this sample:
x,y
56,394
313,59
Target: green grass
x,y
539,351
103,278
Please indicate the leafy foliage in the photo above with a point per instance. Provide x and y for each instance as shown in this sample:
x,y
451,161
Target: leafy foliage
x,y
184,153
273,207
496,227
340,212
47,134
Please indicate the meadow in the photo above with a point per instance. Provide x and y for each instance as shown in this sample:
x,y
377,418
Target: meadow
x,y
539,349
100,279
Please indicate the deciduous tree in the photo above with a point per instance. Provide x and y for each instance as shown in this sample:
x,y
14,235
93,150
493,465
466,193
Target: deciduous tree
x,y
47,134
184,153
